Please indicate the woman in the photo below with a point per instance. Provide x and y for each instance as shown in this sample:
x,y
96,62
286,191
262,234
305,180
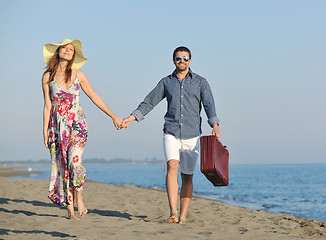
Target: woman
x,y
64,123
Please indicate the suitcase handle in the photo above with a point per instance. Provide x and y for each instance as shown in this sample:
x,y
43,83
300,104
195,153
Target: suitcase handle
x,y
223,145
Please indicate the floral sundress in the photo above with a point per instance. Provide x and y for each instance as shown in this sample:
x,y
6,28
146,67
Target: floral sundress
x,y
67,137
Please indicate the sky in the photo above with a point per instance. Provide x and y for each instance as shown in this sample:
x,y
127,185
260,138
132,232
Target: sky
x,y
264,60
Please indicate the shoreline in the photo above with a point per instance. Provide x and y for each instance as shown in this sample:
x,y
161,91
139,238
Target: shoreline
x,y
16,170
24,170
128,212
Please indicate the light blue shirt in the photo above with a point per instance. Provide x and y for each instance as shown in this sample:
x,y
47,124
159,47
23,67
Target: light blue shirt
x,y
185,100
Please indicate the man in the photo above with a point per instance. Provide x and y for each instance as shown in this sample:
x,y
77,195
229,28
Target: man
x,y
185,92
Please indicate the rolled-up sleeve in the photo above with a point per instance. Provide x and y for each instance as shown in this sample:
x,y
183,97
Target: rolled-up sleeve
x,y
138,115
208,103
150,101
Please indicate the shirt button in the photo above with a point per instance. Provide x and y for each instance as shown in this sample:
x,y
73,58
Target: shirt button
x,y
181,124
181,105
181,95
181,115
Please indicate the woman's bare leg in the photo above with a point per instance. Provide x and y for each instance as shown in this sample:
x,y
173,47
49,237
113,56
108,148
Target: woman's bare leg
x,y
70,207
82,210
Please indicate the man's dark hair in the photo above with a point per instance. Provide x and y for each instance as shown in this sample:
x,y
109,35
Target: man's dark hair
x,y
182,49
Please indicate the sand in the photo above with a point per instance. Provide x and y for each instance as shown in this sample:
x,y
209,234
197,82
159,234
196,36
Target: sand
x,y
127,212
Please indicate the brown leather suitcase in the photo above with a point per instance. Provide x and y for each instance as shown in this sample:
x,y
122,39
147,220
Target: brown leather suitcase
x,y
214,162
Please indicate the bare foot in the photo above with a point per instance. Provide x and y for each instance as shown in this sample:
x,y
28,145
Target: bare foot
x,y
182,221
82,210
172,219
73,217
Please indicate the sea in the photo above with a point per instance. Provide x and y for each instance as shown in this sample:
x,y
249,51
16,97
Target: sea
x,y
294,189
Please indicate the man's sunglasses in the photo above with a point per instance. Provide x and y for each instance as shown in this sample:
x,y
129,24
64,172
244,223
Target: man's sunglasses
x,y
178,58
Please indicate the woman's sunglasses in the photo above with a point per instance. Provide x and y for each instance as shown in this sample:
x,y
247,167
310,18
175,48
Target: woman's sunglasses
x,y
178,58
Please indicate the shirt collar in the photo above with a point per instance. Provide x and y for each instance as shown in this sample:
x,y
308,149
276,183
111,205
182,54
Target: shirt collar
x,y
190,74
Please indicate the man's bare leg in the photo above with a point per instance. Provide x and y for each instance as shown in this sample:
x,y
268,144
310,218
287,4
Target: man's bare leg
x,y
172,188
185,196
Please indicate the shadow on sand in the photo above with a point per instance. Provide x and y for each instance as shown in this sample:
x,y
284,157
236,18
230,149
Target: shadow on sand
x,y
105,213
48,234
111,213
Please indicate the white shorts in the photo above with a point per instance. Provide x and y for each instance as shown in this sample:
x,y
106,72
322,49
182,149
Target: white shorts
x,y
186,151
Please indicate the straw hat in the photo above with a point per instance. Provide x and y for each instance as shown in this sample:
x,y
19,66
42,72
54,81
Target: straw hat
x,y
49,50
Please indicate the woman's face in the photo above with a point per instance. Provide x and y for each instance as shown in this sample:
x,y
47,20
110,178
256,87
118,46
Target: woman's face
x,y
66,52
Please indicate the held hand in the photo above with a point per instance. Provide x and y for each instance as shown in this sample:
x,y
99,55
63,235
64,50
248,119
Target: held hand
x,y
216,131
117,122
127,121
